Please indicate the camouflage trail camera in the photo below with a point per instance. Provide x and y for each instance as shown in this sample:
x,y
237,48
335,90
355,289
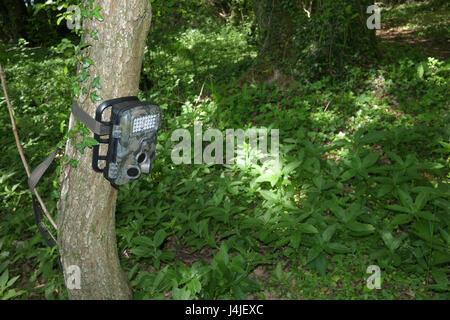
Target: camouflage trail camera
x,y
131,140
130,135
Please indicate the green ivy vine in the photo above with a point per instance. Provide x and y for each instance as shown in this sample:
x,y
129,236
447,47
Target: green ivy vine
x,y
83,89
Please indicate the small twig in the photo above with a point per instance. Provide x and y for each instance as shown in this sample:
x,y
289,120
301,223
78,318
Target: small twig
x,y
328,104
40,286
19,146
200,95
308,13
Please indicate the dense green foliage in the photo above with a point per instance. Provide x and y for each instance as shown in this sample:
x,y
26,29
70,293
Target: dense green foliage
x,y
362,179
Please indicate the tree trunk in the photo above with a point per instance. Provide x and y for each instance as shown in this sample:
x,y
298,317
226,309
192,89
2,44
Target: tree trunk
x,y
86,209
276,26
14,16
311,32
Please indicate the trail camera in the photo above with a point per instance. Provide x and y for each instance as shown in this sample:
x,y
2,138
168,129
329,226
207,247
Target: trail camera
x,y
130,135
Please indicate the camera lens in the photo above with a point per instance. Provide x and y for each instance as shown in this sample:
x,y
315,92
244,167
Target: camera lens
x,y
141,158
133,172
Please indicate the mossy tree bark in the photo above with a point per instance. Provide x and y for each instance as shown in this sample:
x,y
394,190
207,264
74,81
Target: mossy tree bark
x,y
86,209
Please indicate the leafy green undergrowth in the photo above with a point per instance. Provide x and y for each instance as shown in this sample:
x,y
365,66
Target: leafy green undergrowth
x,y
39,87
362,179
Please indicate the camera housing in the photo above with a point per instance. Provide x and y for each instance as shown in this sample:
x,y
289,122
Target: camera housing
x,y
132,139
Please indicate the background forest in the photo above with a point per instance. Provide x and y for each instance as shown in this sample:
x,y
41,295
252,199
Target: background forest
x,y
363,177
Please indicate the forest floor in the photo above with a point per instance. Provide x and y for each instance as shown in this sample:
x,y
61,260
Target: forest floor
x,y
414,25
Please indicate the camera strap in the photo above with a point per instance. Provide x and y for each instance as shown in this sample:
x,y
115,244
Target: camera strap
x,y
33,180
93,125
96,127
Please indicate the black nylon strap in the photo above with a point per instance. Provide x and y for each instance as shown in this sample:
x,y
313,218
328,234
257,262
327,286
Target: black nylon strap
x,y
33,180
37,173
99,129
93,125
48,237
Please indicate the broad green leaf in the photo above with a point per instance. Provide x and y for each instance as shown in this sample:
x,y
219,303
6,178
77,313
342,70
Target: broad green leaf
x,y
160,276
440,276
96,13
96,83
159,237
321,264
441,258
291,167
421,200
141,252
401,219
59,20
90,142
328,233
336,247
87,62
391,242
12,294
360,227
319,182
370,159
269,195
278,271
307,228
396,207
427,216
295,240
356,162
348,174
12,281
194,286
445,235
423,230
337,210
83,76
95,97
405,199
143,241
222,255
181,294
4,279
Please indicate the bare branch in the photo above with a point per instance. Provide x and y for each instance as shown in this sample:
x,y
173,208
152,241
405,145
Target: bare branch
x,y
19,146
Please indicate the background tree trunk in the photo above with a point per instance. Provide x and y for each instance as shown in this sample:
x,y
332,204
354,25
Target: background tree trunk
x,y
86,209
13,17
310,32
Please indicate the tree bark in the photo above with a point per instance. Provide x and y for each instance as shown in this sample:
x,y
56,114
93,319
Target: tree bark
x,y
86,209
